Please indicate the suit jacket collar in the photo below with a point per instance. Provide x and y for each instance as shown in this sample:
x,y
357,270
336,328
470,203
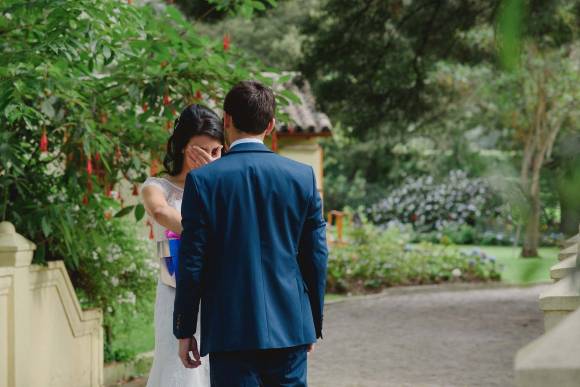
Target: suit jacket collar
x,y
249,147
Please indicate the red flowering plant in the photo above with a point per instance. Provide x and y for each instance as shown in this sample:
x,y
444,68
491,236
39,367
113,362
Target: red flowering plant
x,y
88,93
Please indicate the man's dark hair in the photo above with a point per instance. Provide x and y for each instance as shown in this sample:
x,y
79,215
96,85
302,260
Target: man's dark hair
x,y
251,105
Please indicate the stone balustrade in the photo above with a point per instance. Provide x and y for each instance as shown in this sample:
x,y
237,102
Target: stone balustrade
x,y
569,252
554,358
563,268
572,241
46,339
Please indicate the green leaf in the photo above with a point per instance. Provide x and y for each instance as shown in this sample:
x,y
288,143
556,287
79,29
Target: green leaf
x,y
291,96
47,109
106,52
139,212
258,5
46,228
125,211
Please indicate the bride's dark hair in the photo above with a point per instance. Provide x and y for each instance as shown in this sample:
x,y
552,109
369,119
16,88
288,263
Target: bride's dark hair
x,y
194,120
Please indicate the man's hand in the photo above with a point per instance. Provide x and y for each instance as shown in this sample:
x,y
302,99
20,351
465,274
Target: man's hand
x,y
185,347
310,348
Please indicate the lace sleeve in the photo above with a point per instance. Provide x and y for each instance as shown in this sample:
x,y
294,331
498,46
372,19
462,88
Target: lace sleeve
x,y
156,182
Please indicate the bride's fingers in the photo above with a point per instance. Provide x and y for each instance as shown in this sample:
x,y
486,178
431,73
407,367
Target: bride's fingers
x,y
202,154
195,159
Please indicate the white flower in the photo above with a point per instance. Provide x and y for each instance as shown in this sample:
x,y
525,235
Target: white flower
x,y
115,281
456,273
130,298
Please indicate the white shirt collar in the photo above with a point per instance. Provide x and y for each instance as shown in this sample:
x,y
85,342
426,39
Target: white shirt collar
x,y
246,141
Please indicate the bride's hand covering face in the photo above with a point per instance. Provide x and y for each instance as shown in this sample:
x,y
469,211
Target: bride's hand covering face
x,y
197,140
200,151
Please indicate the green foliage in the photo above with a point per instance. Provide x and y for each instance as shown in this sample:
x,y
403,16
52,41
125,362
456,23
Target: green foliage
x,y
510,30
373,259
212,10
88,92
104,81
116,274
274,36
505,235
368,60
375,67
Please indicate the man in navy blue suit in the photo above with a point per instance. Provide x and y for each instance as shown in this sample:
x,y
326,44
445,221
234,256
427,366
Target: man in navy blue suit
x,y
253,252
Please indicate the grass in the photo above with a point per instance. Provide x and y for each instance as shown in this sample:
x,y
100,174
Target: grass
x,y
517,270
135,335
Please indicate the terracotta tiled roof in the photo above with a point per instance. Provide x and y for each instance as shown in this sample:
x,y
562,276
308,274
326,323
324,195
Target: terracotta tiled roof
x,y
303,116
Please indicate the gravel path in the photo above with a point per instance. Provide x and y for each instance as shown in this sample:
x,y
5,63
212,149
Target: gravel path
x,y
437,336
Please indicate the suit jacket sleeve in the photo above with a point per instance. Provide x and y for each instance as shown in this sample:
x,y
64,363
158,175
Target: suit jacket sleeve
x,y
313,256
191,262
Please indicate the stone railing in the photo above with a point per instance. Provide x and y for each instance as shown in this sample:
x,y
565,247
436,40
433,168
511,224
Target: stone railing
x,y
46,339
554,358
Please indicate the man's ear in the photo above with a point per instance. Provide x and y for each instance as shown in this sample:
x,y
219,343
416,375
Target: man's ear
x,y
271,126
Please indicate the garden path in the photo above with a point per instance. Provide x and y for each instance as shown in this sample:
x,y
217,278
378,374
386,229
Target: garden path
x,y
430,336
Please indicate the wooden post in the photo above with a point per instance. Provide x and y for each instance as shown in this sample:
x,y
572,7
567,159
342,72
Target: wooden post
x,y
338,217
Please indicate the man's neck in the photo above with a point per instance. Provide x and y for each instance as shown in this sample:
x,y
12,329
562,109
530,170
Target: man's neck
x,y
243,136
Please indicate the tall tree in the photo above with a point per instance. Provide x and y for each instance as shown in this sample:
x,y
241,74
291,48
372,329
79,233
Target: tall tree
x,y
369,61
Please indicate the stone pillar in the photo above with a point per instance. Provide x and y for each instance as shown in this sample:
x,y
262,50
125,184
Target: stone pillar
x,y
15,258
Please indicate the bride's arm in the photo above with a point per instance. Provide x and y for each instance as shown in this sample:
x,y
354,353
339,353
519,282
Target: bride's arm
x,y
157,207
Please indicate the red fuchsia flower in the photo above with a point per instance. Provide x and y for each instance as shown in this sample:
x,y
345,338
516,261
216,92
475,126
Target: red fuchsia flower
x,y
85,200
198,95
145,107
97,157
227,42
154,167
89,166
166,100
44,142
150,225
135,190
413,217
168,125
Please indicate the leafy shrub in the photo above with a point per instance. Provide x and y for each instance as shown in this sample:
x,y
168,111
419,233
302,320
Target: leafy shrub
x,y
429,205
469,235
374,258
118,276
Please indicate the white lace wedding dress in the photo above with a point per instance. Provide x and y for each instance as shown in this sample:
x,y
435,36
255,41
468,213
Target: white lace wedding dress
x,y
167,369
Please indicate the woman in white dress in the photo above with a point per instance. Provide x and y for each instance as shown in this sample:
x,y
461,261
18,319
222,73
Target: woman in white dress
x,y
197,139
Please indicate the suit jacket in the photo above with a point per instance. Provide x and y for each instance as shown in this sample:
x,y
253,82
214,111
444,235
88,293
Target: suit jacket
x,y
253,250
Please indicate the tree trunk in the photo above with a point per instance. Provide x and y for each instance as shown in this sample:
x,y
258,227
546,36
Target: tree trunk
x,y
532,236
